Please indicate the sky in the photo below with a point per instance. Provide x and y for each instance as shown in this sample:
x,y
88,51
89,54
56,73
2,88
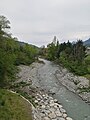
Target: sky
x,y
38,21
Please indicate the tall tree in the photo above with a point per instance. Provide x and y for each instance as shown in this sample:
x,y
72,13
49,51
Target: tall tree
x,y
4,24
79,51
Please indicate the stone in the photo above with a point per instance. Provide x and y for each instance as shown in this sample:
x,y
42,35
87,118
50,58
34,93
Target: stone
x,y
55,106
52,104
42,114
46,103
60,118
60,106
52,109
52,115
51,101
47,112
43,95
48,109
58,113
43,106
68,118
55,100
34,116
64,115
54,119
51,98
36,101
62,110
42,101
46,118
45,98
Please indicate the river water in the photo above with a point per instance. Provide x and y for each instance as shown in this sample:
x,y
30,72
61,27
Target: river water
x,y
74,105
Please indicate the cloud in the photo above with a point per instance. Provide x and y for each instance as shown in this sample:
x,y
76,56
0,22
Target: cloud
x,y
37,21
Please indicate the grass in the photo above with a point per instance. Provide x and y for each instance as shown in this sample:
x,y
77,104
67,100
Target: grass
x,y
27,96
87,59
19,88
87,76
84,89
13,107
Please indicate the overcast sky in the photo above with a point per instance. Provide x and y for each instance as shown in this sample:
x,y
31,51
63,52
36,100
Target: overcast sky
x,y
38,21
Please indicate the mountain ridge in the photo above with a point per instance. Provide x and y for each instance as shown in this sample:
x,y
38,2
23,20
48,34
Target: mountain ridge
x,y
87,42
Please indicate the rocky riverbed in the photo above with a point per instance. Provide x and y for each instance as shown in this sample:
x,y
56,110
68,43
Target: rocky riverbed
x,y
52,79
48,108
74,83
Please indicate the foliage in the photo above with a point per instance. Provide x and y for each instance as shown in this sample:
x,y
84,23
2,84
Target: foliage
x,y
7,68
71,56
12,53
20,88
84,89
87,60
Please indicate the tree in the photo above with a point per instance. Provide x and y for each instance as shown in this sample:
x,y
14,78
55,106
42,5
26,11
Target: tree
x,y
53,49
7,68
51,52
4,24
79,51
12,53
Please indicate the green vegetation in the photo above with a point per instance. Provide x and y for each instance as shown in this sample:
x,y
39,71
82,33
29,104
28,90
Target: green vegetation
x,y
84,89
87,60
13,107
12,53
71,56
21,89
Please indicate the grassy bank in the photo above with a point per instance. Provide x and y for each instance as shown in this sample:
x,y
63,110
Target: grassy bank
x,y
13,107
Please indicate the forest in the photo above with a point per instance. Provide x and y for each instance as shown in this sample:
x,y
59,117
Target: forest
x,y
71,56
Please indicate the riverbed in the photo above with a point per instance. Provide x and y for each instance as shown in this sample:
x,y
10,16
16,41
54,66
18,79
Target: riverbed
x,y
43,77
46,76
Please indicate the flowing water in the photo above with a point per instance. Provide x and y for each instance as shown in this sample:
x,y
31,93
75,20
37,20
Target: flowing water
x,y
74,105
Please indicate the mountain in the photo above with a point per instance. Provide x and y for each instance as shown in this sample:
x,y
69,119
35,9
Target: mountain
x,y
87,42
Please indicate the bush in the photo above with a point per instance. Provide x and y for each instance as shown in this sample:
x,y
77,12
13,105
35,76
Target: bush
x,y
87,60
7,68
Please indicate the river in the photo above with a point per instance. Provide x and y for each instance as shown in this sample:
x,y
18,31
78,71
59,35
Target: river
x,y
45,78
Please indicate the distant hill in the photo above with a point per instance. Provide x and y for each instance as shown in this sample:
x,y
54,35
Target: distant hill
x,y
32,46
23,43
87,42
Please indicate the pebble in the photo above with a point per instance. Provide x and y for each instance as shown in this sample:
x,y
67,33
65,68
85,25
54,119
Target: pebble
x,y
46,118
68,118
36,101
52,115
64,115
48,108
58,113
43,106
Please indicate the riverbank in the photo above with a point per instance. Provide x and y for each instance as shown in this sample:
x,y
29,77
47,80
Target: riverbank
x,y
14,107
46,107
43,77
77,84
